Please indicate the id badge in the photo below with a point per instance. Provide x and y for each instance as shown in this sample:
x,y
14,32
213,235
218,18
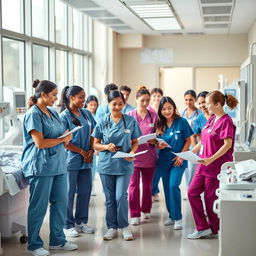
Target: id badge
x,y
201,149
151,125
127,131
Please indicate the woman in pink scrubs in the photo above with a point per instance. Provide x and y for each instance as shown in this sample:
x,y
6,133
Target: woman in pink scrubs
x,y
144,165
215,148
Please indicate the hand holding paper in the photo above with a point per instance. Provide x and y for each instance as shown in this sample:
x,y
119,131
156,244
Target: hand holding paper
x,y
120,154
72,131
163,141
145,138
188,155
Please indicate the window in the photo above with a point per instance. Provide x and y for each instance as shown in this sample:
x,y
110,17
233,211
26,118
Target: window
x,y
60,22
40,64
12,15
40,19
86,33
78,70
61,69
13,63
77,29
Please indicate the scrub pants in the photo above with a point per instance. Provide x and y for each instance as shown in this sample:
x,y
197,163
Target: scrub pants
x,y
134,191
115,189
156,179
190,172
171,177
45,189
200,184
80,182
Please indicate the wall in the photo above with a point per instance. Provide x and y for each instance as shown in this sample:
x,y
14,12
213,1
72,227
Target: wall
x,y
252,37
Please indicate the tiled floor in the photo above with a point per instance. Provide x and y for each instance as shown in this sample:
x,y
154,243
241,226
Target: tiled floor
x,y
151,237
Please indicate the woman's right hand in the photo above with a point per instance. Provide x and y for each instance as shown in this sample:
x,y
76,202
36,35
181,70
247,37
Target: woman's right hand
x,y
67,139
161,145
111,147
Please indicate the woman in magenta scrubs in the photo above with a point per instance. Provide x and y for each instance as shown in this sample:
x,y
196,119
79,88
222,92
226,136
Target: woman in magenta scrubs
x,y
144,165
215,148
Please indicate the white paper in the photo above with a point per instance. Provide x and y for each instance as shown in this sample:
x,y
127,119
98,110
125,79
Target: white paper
x,y
120,154
188,155
72,131
144,139
163,141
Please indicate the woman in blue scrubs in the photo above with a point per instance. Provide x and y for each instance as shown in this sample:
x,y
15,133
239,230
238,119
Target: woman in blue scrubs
x,y
176,132
80,155
116,132
43,163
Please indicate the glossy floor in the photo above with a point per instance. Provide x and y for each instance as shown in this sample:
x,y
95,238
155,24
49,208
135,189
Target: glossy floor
x,y
151,237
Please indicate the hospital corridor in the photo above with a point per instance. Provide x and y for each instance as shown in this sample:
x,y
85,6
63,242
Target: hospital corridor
x,y
128,127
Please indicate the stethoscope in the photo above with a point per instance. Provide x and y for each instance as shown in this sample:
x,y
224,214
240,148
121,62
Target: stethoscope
x,y
151,119
175,133
109,125
51,114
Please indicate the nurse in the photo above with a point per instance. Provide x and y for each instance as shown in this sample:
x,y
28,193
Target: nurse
x,y
43,163
176,132
191,113
156,95
79,159
144,165
126,91
216,147
116,132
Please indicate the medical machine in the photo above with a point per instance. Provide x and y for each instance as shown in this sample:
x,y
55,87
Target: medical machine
x,y
14,113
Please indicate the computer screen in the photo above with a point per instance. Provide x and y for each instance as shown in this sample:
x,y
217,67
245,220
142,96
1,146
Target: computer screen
x,y
251,134
20,100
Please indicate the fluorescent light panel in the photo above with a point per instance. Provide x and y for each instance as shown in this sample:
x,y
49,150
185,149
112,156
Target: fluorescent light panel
x,y
163,23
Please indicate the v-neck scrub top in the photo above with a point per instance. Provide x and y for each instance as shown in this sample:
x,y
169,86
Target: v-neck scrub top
x,y
46,161
120,134
81,138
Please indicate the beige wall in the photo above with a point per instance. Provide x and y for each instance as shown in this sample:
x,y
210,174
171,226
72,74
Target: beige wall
x,y
252,37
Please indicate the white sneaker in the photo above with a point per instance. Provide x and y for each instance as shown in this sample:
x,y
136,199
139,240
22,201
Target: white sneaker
x,y
127,234
146,216
39,252
93,193
135,221
155,198
178,224
66,247
84,228
185,197
71,232
199,234
111,234
169,222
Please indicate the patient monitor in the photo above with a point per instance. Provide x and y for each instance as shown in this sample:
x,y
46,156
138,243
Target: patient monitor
x,y
14,112
251,138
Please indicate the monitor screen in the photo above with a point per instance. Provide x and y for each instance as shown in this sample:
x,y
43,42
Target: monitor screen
x,y
251,134
20,100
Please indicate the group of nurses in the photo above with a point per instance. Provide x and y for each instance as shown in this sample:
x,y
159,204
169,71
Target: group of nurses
x,y
116,132
191,113
144,165
44,164
176,132
215,148
79,158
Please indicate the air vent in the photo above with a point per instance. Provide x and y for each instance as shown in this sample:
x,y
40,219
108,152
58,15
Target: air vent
x,y
216,19
98,14
121,28
83,4
111,21
216,1
216,25
216,10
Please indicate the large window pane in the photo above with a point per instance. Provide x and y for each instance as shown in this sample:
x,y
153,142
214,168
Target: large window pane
x,y
61,69
60,22
13,63
40,19
86,33
12,15
86,73
78,69
77,29
40,62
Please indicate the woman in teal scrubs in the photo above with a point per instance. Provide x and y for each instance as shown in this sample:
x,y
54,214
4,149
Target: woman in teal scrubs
x,y
116,132
176,132
80,155
44,164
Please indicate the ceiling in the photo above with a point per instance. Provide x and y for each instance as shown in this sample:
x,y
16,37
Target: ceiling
x,y
193,16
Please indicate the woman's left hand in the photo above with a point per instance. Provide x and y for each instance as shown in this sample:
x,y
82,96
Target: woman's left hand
x,y
178,161
89,156
206,161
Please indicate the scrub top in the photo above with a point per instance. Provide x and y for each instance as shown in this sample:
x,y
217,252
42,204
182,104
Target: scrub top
x,y
121,135
212,139
147,126
175,136
151,109
199,123
102,110
127,108
191,119
81,138
46,161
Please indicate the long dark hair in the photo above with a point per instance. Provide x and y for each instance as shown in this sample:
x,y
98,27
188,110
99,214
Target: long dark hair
x,y
91,98
155,90
161,122
65,94
115,94
40,86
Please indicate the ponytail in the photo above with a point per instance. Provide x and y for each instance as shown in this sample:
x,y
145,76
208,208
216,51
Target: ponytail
x,y
231,101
